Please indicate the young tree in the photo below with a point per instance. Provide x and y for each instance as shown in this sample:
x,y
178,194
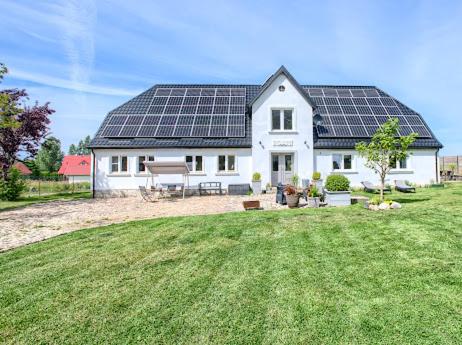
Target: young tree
x,y
21,127
385,148
50,156
73,149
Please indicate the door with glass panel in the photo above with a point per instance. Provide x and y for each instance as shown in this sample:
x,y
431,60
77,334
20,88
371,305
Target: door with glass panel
x,y
282,168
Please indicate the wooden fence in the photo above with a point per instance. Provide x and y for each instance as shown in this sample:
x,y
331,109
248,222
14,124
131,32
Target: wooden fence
x,y
451,167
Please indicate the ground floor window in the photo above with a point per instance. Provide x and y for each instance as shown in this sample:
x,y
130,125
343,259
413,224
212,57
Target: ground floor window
x,y
342,162
195,163
399,164
119,164
141,159
226,163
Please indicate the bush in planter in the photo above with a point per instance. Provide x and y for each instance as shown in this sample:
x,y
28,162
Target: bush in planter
x,y
337,183
295,180
292,196
316,176
256,177
313,192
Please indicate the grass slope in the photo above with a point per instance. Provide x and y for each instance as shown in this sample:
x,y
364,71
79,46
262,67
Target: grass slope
x,y
25,201
283,277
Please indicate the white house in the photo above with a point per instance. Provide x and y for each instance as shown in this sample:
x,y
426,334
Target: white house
x,y
227,132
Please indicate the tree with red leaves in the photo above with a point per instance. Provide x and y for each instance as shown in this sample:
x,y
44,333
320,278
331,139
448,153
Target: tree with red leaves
x,y
22,127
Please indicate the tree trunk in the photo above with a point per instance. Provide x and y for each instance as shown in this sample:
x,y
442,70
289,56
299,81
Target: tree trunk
x,y
382,186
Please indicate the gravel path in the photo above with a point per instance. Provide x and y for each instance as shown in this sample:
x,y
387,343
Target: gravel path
x,y
38,222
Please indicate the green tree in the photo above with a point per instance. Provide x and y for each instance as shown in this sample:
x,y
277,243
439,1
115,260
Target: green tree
x,y
50,156
12,188
385,148
72,149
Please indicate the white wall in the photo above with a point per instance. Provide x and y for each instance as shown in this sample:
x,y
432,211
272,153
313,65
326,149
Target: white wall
x,y
78,178
421,168
132,179
295,140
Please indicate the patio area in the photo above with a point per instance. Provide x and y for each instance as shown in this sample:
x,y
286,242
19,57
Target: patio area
x,y
38,222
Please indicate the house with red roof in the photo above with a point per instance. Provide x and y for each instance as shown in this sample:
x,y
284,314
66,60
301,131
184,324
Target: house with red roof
x,y
23,169
76,168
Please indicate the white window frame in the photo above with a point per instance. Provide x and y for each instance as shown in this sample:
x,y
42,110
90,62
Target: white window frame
x,y
342,162
146,159
194,171
281,119
119,165
398,165
226,171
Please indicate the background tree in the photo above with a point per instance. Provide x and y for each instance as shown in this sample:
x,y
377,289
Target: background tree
x,y
81,148
21,127
50,156
385,149
72,149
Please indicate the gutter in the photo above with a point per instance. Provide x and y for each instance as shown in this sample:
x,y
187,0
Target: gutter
x,y
437,173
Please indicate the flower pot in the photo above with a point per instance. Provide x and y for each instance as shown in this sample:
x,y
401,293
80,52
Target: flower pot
x,y
251,204
256,187
292,200
338,198
313,202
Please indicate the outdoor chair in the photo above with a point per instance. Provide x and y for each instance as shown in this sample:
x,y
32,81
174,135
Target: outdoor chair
x,y
370,188
401,186
147,196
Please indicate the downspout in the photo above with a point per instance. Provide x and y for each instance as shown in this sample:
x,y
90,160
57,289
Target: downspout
x,y
436,166
93,174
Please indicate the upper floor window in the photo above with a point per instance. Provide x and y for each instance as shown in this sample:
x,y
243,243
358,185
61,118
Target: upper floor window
x,y
400,164
282,120
195,163
342,162
119,164
141,159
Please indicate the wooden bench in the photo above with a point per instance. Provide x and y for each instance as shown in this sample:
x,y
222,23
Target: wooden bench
x,y
206,188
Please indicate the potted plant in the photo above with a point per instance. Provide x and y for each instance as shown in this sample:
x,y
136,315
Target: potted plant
x,y
292,196
256,183
337,190
268,187
295,180
313,197
316,177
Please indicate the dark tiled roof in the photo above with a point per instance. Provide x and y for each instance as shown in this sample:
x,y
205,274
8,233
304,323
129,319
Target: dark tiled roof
x,y
252,91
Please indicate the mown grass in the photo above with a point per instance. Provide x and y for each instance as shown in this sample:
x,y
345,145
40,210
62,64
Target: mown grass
x,y
30,200
307,276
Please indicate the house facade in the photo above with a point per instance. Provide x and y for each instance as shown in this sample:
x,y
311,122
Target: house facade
x,y
225,133
76,168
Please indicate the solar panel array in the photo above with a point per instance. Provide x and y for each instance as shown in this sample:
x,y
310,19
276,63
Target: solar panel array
x,y
180,112
358,112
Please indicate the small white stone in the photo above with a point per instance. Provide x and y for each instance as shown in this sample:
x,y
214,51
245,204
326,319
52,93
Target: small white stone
x,y
384,206
394,204
373,207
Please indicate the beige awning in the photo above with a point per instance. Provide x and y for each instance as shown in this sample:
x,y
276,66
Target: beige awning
x,y
167,168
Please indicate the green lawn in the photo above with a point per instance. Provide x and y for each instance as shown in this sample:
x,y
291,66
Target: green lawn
x,y
348,275
29,200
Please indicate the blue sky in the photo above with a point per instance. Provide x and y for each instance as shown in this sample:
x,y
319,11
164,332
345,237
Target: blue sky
x,y
86,57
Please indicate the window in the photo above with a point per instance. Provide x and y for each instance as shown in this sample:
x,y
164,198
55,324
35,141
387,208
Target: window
x,y
342,162
401,164
119,164
195,163
227,163
282,120
288,162
141,159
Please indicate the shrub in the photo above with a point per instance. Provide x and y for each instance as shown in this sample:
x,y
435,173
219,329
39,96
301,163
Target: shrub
x,y
256,176
290,190
337,183
12,188
313,193
375,200
316,176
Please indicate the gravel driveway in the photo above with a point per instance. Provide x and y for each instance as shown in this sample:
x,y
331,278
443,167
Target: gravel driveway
x,y
38,222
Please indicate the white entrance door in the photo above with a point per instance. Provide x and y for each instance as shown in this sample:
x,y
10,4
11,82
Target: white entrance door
x,y
282,168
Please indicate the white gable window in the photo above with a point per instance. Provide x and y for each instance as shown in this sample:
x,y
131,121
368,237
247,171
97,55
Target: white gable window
x,y
342,162
282,120
119,164
195,164
141,159
226,164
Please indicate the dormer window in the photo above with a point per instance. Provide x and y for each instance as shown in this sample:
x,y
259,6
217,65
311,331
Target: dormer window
x,y
282,120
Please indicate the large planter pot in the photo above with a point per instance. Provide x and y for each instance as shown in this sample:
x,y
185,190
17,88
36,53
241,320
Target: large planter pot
x,y
313,202
292,200
338,198
256,187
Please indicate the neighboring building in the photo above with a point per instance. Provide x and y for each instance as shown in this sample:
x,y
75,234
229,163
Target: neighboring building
x,y
227,132
76,168
23,169
451,166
